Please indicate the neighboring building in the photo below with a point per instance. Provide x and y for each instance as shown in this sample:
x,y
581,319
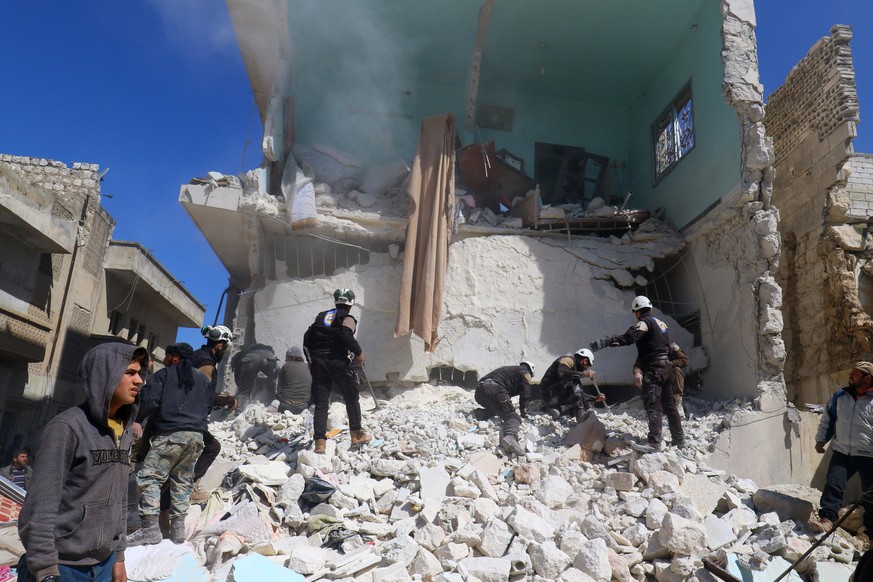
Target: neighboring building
x,y
660,100
823,191
66,287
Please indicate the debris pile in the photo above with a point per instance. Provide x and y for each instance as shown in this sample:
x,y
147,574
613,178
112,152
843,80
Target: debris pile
x,y
433,497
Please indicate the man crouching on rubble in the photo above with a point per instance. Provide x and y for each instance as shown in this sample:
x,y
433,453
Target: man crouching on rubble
x,y
495,391
561,388
848,420
73,524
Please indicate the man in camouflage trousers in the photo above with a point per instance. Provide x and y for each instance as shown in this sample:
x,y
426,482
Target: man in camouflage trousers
x,y
176,401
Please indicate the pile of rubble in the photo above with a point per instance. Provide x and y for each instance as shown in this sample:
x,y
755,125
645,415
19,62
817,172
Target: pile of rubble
x,y
433,497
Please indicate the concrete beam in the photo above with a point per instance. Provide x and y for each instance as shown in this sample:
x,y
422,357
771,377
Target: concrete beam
x,y
25,213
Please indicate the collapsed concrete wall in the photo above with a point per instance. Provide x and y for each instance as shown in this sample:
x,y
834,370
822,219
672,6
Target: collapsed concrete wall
x,y
860,186
507,299
812,119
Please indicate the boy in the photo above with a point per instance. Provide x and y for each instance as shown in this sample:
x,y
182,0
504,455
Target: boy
x,y
73,523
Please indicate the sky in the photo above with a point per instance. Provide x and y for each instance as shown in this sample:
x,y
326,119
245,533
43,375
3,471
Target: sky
x,y
155,91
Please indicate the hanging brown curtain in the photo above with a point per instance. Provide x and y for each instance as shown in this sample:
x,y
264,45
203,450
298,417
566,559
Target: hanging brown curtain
x,y
431,218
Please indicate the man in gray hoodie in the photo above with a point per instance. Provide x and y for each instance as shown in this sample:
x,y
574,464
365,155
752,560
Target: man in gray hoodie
x,y
73,523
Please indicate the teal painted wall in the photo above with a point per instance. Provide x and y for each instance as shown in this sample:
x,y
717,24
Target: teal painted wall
x,y
712,168
378,126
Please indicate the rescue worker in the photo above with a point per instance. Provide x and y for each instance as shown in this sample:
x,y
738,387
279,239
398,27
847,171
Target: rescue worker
x,y
561,388
495,391
255,371
653,372
333,349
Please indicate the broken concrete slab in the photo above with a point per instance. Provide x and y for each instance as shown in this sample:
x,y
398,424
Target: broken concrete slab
x,y
794,502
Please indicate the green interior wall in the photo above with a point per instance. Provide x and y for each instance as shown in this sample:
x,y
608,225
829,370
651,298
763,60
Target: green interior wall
x,y
712,168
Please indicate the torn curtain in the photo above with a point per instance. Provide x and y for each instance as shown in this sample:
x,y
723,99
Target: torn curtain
x,y
431,218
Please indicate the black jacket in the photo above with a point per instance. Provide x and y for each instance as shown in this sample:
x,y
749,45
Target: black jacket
x,y
332,336
172,406
653,341
513,379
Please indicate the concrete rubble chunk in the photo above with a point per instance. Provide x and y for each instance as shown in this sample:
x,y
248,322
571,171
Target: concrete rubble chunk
x,y
590,435
621,481
644,466
530,526
553,491
547,560
593,560
425,565
682,536
496,538
257,568
794,502
718,532
485,569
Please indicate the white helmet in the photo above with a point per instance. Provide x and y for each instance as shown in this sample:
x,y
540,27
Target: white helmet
x,y
530,367
218,333
344,297
641,302
585,353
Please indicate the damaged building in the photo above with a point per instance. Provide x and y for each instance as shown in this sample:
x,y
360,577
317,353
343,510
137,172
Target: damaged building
x,y
66,286
500,187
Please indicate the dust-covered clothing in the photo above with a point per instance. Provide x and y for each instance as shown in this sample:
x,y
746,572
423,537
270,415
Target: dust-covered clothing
x,y
653,349
171,459
172,401
247,364
295,384
561,385
495,390
74,513
330,341
205,361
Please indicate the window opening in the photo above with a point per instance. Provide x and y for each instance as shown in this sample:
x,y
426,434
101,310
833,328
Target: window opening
x,y
674,133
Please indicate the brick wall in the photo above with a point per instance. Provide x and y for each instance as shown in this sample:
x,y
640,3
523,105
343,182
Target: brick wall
x,y
69,184
860,186
812,119
9,510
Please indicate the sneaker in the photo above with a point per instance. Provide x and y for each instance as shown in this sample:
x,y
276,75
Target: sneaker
x,y
510,445
820,524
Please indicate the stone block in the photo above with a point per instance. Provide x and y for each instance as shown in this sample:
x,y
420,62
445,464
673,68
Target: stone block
x,y
589,435
718,532
704,491
621,481
593,560
425,565
306,559
553,491
547,560
682,536
794,502
831,572
485,569
664,483
496,538
530,526
434,483
488,463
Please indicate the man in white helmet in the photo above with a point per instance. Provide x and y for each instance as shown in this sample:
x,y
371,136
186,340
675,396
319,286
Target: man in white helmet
x,y
653,371
561,387
494,393
333,348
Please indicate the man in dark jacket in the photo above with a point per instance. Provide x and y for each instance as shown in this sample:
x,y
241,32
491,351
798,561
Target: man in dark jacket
x,y
655,372
19,472
177,401
561,387
73,522
248,365
331,343
495,391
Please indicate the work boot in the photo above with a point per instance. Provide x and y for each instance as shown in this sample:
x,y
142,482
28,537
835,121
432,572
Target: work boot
x,y
319,447
198,495
820,524
510,445
359,437
148,534
177,530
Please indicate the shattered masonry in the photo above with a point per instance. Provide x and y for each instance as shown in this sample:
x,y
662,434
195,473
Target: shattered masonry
x,y
812,119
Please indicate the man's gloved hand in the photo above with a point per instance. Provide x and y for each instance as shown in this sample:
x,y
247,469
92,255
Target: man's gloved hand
x,y
602,343
638,378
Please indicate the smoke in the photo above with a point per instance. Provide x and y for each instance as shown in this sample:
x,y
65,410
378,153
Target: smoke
x,y
202,27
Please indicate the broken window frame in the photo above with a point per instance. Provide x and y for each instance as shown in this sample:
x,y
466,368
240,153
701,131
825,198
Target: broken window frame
x,y
681,131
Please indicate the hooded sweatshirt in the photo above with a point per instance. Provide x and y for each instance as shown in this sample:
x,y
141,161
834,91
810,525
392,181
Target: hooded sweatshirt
x,y
75,511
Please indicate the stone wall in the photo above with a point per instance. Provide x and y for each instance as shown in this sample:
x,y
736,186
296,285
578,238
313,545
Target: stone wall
x,y
860,187
745,235
812,119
